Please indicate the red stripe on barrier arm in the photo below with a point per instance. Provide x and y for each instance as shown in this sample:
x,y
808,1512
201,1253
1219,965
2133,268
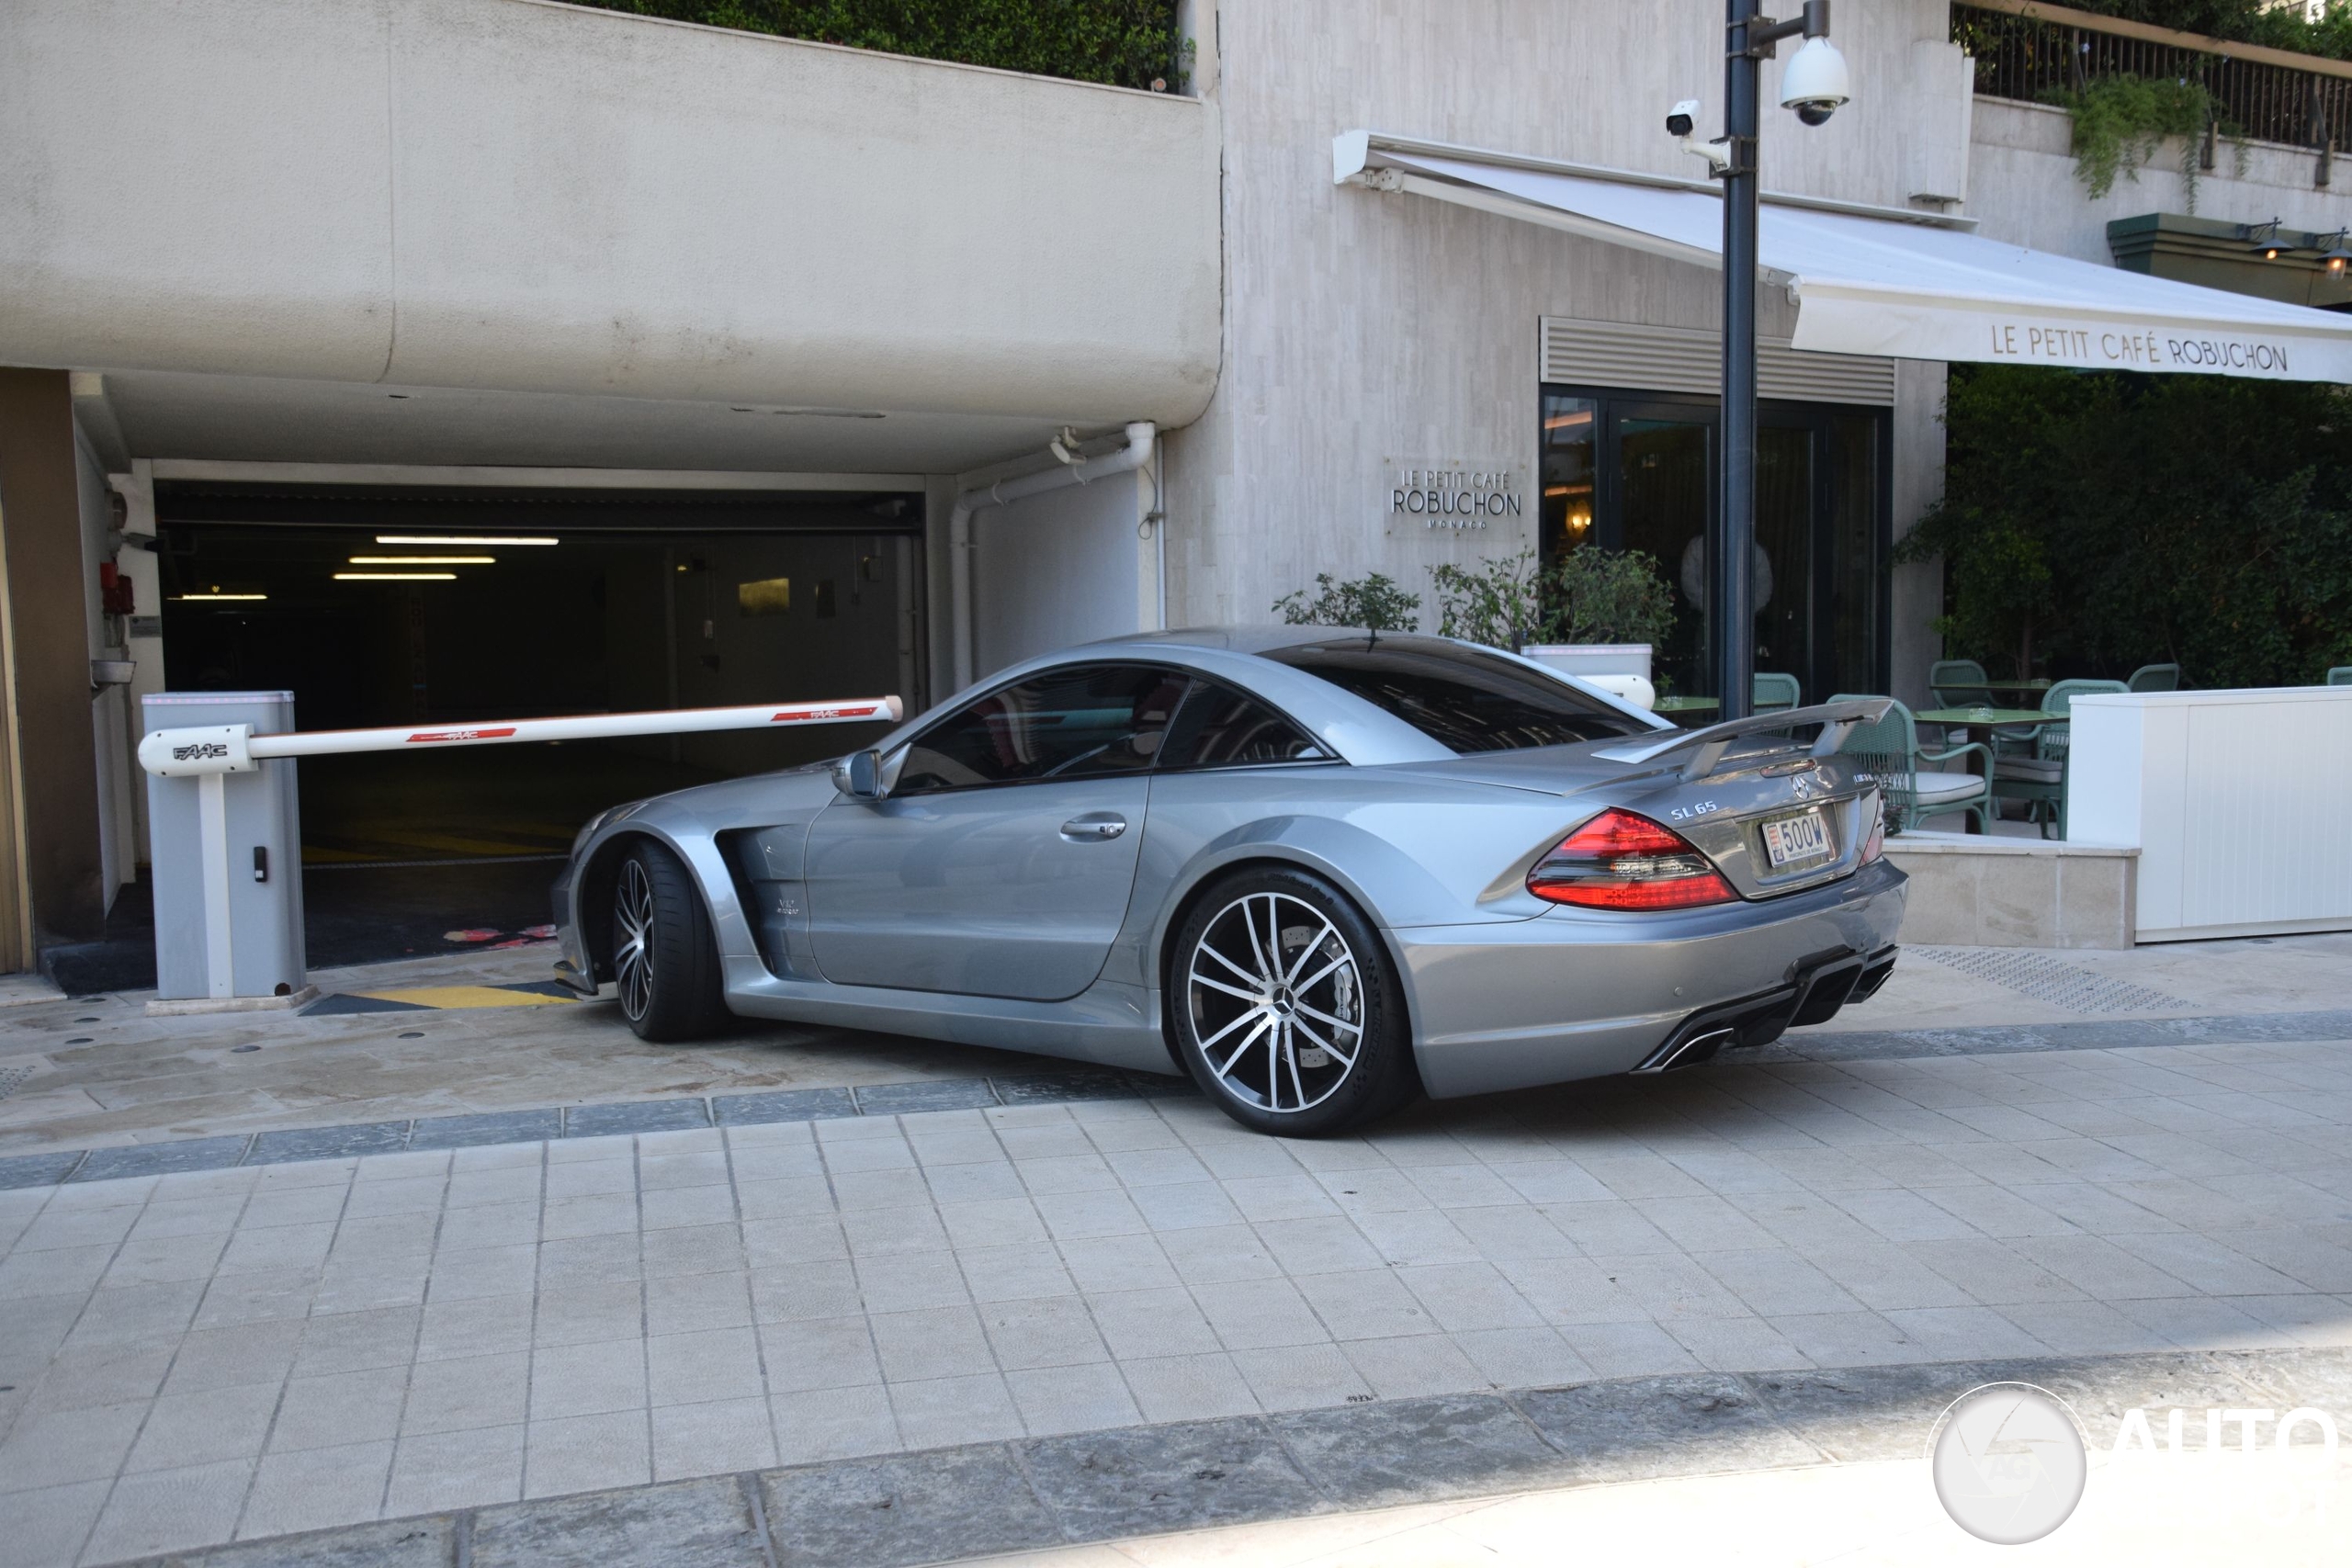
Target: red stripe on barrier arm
x,y
807,713
424,735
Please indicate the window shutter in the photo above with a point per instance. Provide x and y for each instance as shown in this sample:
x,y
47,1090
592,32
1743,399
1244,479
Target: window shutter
x,y
1683,359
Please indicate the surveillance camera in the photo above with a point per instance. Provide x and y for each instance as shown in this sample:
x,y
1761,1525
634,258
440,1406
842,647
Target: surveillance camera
x,y
1816,83
1682,122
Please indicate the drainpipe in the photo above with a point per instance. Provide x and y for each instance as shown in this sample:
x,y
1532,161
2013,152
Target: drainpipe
x,y
1126,459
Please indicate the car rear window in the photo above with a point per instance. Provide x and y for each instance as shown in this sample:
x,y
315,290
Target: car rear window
x,y
1464,698
1219,727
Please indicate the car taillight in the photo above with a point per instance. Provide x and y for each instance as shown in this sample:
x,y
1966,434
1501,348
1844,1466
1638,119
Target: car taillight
x,y
1619,860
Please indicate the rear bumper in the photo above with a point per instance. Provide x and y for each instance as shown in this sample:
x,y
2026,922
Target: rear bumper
x,y
1577,994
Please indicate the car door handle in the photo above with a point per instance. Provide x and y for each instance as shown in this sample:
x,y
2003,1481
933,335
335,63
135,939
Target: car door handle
x,y
1094,828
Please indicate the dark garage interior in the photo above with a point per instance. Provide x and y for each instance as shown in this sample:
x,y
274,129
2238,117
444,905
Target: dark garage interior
x,y
380,607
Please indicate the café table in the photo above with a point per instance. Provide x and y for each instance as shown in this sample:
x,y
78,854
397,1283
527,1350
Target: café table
x,y
1979,723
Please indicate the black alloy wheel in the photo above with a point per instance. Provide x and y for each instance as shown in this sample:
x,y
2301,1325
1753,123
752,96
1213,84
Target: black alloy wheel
x,y
665,958
1287,1009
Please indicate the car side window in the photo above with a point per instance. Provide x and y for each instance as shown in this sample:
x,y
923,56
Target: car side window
x,y
1221,727
1079,722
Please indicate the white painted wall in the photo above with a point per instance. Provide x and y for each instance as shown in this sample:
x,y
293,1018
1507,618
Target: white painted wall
x,y
515,195
2234,800
2022,185
1066,567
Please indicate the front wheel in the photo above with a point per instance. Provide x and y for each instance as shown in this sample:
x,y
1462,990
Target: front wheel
x,y
1287,1012
665,958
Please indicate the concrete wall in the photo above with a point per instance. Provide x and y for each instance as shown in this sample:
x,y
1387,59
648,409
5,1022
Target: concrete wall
x,y
2022,185
533,198
111,719
1917,590
1986,891
1364,329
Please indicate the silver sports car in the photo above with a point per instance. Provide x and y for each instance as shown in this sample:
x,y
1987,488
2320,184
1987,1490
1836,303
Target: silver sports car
x,y
1320,871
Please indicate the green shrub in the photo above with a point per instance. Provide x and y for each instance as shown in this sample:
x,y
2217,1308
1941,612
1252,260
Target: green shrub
x,y
1597,595
1375,602
1499,602
2121,123
2093,523
1125,43
2265,22
1589,595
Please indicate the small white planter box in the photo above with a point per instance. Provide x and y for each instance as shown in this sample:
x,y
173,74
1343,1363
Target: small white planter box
x,y
2235,801
1621,668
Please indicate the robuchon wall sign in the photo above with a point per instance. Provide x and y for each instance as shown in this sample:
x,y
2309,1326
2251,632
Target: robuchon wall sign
x,y
1426,497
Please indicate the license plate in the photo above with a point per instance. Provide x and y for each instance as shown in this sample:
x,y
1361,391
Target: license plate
x,y
1788,840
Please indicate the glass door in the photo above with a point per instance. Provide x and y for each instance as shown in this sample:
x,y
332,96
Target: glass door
x,y
1663,466
1785,628
1632,471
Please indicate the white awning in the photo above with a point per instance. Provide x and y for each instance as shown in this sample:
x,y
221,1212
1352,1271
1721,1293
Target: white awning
x,y
1885,281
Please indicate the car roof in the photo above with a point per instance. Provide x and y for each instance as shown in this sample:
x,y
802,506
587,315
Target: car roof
x,y
1252,638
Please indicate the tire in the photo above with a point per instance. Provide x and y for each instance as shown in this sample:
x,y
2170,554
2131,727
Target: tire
x,y
1295,1015
665,959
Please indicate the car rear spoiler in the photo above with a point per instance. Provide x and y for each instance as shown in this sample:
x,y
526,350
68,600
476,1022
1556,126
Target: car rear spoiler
x,y
1836,720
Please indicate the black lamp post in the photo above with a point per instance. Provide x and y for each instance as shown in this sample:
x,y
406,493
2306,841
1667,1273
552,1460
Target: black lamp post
x,y
1813,86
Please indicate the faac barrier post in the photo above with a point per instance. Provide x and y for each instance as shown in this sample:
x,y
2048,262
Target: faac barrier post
x,y
227,838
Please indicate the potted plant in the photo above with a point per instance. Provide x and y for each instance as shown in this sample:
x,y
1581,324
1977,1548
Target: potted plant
x,y
1596,614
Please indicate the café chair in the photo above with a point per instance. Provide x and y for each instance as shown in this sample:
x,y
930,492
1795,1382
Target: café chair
x,y
2155,678
1891,749
1775,692
1959,683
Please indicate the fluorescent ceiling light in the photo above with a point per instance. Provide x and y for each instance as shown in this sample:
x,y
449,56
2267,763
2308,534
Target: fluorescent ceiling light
x,y
425,560
396,577
215,597
475,542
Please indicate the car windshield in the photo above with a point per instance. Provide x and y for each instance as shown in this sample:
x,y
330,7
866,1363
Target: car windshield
x,y
1464,698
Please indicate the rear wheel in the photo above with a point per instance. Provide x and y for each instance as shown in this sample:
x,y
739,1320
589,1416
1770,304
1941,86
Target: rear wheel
x,y
665,959
1286,1010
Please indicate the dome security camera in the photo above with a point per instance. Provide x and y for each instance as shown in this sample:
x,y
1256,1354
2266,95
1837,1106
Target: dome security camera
x,y
1816,81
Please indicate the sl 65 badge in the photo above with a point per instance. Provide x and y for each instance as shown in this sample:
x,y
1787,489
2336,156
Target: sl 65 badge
x,y
1684,813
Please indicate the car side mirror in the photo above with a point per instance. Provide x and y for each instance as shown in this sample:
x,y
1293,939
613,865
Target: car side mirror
x,y
859,775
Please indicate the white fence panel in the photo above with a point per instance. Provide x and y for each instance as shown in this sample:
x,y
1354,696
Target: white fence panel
x,y
2240,804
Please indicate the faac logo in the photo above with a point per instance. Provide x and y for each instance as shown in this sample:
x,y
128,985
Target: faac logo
x,y
202,751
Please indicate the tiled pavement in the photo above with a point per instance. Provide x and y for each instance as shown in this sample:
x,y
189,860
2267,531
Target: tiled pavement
x,y
1794,1467
97,1072
194,1357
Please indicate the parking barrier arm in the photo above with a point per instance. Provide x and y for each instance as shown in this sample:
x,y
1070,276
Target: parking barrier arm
x,y
235,748
208,754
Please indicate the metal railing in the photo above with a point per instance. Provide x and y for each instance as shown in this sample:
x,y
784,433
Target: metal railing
x,y
2031,52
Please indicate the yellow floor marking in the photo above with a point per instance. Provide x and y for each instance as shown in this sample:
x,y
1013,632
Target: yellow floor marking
x,y
464,997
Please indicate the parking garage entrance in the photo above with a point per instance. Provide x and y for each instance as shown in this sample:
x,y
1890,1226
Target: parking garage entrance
x,y
378,606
